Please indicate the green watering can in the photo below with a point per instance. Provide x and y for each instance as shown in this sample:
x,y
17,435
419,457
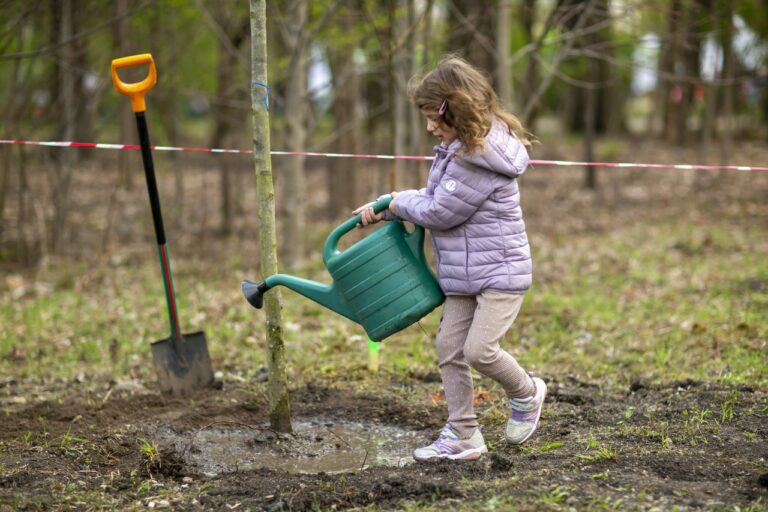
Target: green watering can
x,y
382,282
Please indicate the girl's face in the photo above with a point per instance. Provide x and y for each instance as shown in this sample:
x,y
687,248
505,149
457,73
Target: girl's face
x,y
437,127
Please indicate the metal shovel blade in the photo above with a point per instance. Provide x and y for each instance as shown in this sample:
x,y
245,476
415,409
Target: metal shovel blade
x,y
182,365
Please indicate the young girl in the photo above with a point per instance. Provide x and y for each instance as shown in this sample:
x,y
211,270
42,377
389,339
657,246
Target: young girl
x,y
471,205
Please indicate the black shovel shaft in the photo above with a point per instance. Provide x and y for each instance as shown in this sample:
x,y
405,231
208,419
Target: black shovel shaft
x,y
157,217
149,173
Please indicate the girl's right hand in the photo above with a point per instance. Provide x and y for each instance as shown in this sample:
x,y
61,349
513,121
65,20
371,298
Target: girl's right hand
x,y
367,216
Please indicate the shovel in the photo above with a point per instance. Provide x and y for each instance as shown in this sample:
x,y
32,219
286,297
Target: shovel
x,y
181,361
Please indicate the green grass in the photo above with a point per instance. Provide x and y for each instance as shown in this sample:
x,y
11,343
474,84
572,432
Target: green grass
x,y
660,302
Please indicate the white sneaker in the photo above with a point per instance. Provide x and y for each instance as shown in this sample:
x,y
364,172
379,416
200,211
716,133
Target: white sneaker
x,y
525,413
449,446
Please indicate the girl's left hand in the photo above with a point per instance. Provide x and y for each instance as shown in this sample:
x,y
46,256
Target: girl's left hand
x,y
367,216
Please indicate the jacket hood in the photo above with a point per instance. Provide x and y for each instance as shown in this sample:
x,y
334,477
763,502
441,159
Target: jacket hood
x,y
503,152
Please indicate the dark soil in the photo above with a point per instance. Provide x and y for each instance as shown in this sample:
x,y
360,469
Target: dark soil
x,y
649,446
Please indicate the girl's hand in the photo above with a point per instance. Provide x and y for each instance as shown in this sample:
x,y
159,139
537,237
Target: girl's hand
x,y
367,216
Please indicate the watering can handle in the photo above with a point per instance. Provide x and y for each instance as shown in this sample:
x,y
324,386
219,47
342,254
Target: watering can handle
x,y
333,239
135,91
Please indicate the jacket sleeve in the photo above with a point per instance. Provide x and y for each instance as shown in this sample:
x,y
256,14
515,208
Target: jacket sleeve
x,y
387,214
458,195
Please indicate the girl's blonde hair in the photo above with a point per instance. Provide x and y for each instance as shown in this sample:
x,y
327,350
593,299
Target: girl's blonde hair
x,y
471,103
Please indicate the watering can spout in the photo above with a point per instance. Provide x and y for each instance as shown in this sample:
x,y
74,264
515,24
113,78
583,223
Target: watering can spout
x,y
254,292
324,295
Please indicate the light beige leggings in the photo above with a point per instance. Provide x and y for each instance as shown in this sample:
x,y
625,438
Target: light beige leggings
x,y
470,331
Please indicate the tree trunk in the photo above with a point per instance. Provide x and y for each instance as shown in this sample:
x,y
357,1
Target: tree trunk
x,y
279,406
671,90
471,27
68,108
21,206
531,73
294,191
690,50
166,101
709,115
426,36
5,179
8,130
127,124
420,140
232,34
84,90
612,96
503,41
729,86
590,113
599,73
415,123
346,117
400,68
580,22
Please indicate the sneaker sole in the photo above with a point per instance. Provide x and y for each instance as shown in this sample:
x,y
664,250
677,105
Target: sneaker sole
x,y
536,427
468,455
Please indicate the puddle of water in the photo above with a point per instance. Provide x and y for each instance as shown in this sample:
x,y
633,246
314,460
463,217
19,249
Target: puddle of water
x,y
315,446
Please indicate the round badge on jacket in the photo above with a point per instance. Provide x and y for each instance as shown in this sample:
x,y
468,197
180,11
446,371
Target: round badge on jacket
x,y
450,186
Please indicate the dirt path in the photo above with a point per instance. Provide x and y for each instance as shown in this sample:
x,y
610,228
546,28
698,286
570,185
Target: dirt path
x,y
649,447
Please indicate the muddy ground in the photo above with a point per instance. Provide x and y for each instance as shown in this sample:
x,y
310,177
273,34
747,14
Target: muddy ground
x,y
685,444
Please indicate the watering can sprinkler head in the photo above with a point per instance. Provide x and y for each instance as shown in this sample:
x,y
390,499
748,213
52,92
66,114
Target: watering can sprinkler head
x,y
254,292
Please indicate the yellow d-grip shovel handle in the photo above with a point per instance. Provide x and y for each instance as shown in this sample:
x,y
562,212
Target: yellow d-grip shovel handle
x,y
135,91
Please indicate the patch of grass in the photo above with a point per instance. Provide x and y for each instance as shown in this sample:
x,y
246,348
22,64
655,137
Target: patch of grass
x,y
73,445
600,454
607,503
666,301
659,432
553,497
538,446
757,506
149,452
696,425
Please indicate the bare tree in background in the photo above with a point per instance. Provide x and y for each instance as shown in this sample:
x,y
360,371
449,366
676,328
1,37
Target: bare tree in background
x,y
168,101
420,60
710,91
400,65
347,118
597,89
65,85
127,124
472,24
9,117
405,61
233,31
670,92
293,226
503,60
728,80
419,63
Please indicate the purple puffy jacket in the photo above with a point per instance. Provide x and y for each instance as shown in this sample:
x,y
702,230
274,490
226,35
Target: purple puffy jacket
x,y
471,205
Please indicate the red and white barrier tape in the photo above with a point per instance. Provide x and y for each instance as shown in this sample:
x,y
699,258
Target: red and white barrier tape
x,y
564,163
